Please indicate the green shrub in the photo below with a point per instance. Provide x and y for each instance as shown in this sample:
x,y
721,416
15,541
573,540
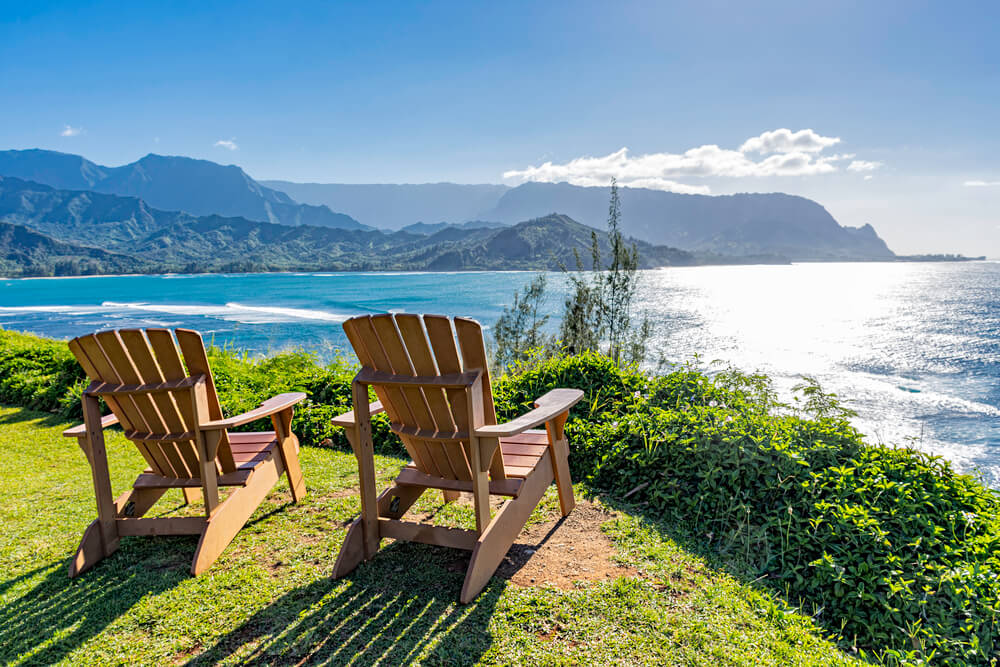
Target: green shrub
x,y
244,382
893,550
39,373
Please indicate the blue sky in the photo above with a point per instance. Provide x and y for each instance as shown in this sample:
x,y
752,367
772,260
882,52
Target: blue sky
x,y
469,92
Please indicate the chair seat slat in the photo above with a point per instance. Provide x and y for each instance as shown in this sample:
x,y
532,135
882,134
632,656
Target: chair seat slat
x,y
150,480
411,476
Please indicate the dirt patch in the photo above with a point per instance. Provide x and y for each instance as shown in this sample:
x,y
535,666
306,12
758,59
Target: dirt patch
x,y
562,551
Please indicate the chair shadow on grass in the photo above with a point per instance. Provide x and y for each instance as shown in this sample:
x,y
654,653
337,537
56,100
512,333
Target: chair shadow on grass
x,y
57,615
401,605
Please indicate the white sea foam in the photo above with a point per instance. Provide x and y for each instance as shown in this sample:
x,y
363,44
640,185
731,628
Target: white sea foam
x,y
231,312
291,313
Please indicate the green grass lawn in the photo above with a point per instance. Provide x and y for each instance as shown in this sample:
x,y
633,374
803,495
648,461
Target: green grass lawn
x,y
270,599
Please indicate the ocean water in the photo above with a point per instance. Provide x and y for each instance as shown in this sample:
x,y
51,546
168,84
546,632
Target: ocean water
x,y
913,348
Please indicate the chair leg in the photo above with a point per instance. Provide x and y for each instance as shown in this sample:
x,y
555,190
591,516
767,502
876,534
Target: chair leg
x,y
392,503
450,496
288,447
559,449
564,483
100,539
352,551
89,553
232,514
290,457
498,537
191,495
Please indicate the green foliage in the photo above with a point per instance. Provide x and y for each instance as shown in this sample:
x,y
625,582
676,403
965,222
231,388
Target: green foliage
x,y
891,549
39,373
243,382
520,329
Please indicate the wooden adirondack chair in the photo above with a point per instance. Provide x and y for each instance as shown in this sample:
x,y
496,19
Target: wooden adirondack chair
x,y
174,418
439,401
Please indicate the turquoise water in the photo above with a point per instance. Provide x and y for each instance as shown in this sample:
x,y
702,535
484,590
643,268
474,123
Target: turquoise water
x,y
914,348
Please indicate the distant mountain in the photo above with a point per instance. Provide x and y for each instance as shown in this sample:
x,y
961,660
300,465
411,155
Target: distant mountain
x,y
433,228
764,225
90,218
66,232
390,206
198,187
743,225
549,242
734,225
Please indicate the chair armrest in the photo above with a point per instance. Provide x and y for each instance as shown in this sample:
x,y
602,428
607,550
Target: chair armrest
x,y
269,407
347,419
548,407
80,430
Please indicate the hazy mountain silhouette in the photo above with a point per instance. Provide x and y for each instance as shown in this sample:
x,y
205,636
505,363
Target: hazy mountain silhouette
x,y
735,225
742,225
433,228
390,206
198,187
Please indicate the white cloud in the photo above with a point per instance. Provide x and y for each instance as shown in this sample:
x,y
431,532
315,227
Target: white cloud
x,y
869,177
981,184
70,131
787,154
228,144
786,141
864,165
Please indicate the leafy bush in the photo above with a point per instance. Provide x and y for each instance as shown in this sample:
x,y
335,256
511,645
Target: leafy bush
x,y
895,552
244,382
39,373
891,549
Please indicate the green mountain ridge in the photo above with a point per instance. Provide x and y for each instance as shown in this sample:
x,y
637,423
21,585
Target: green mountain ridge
x,y
26,252
68,232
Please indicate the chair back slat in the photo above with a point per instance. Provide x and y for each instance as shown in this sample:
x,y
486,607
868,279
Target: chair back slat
x,y
411,330
364,340
400,364
91,358
424,347
134,357
149,370
470,340
196,360
118,356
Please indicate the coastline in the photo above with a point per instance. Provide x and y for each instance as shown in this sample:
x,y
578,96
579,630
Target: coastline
x,y
901,259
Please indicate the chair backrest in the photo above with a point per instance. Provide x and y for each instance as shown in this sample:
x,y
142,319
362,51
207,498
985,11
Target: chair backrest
x,y
162,424
432,421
